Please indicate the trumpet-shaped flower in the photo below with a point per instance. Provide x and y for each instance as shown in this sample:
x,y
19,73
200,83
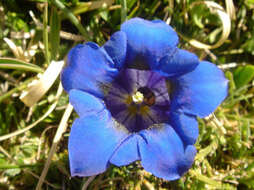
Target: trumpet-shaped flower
x,y
137,98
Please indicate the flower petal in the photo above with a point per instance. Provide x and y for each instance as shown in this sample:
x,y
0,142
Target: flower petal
x,y
177,63
92,141
162,153
116,48
200,91
127,152
186,127
188,159
87,68
148,41
85,103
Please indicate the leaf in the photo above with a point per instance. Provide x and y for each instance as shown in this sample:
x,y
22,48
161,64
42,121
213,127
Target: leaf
x,y
38,88
55,25
83,7
232,87
243,75
10,63
205,179
250,1
12,172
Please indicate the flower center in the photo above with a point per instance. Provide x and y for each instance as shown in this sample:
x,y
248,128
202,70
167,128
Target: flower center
x,y
148,97
138,99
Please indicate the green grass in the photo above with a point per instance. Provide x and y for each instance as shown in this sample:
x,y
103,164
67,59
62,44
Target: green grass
x,y
225,158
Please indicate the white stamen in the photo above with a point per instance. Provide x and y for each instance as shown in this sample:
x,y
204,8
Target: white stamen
x,y
138,97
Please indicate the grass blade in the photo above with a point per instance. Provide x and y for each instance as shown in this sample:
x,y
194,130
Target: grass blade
x,y
11,63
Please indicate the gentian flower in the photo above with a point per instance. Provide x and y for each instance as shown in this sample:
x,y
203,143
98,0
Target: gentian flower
x,y
137,98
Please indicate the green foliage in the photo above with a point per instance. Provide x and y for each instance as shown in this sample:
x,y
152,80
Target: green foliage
x,y
244,75
225,152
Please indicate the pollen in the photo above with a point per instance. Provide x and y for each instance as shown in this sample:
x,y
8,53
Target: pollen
x,y
138,97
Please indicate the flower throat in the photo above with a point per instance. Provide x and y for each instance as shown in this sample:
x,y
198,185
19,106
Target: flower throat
x,y
138,99
144,95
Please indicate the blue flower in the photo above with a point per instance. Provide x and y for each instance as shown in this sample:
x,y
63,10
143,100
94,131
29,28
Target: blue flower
x,y
137,98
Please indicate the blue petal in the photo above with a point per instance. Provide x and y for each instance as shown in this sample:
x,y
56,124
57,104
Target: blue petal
x,y
200,91
87,68
177,63
127,152
85,103
116,48
186,127
187,159
148,41
93,140
162,153
93,45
